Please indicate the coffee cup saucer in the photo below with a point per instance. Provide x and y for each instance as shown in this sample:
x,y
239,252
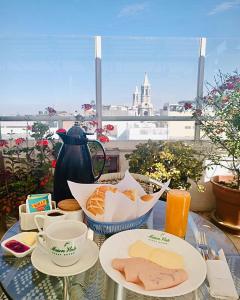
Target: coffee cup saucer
x,y
42,262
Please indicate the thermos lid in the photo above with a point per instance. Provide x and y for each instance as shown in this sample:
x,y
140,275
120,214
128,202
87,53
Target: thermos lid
x,y
76,131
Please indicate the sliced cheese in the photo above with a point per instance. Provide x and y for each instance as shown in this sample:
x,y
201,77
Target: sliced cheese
x,y
167,259
162,257
28,238
140,249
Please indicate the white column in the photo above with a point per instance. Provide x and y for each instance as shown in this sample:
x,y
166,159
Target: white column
x,y
98,79
200,82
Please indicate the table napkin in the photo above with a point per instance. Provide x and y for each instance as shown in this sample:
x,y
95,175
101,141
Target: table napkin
x,y
220,279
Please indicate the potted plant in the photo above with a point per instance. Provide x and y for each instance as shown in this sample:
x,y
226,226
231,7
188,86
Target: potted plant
x,y
219,119
27,168
167,160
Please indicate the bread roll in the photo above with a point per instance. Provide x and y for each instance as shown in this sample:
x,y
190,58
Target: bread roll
x,y
69,205
95,203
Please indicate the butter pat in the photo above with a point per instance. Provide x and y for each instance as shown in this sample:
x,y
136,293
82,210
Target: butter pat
x,y
162,257
140,249
28,238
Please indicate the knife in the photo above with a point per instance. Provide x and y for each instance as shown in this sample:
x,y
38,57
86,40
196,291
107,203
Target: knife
x,y
214,248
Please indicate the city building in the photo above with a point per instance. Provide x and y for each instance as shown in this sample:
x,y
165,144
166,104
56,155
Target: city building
x,y
142,104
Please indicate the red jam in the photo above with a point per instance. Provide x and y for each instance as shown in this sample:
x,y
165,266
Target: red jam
x,y
16,246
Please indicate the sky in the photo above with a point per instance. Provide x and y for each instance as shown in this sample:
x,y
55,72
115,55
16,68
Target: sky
x,y
47,49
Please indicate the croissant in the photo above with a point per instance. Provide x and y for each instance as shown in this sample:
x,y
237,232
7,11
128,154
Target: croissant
x,y
131,194
95,203
147,197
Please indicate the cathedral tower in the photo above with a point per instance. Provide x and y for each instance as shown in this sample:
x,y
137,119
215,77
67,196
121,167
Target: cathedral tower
x,y
145,107
135,98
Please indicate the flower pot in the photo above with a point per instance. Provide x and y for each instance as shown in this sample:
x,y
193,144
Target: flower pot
x,y
227,201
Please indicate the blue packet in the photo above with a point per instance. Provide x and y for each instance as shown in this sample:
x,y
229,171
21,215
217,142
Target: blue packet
x,y
38,202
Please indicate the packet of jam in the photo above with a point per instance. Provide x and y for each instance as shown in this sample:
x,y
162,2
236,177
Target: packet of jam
x,y
38,202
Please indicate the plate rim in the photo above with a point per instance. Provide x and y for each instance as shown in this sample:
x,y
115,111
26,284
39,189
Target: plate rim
x,y
149,293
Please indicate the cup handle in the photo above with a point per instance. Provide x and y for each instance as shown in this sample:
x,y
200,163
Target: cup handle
x,y
41,238
36,221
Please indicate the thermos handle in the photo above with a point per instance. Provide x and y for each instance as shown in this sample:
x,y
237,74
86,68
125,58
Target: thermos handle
x,y
104,158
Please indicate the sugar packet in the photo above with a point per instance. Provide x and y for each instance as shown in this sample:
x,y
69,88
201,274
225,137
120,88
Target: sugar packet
x,y
38,202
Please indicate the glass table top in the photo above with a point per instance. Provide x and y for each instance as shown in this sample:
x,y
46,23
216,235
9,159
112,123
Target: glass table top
x,y
20,280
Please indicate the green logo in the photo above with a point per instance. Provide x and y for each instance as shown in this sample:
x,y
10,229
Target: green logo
x,y
161,238
68,249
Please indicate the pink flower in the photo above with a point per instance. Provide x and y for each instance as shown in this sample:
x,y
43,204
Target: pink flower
x,y
93,123
87,106
19,141
230,86
187,106
42,143
61,130
53,163
29,127
99,130
3,143
103,139
109,127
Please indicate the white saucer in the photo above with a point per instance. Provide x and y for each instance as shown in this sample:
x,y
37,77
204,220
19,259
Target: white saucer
x,y
42,262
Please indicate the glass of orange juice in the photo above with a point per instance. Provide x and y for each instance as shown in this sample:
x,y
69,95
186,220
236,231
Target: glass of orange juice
x,y
178,203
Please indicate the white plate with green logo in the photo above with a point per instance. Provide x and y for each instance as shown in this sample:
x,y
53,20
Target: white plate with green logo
x,y
42,262
118,245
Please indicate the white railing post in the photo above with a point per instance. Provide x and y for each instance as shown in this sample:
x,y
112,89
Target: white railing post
x,y
200,81
98,79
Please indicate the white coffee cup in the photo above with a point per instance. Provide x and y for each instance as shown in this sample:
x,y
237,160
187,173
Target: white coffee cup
x,y
65,241
42,221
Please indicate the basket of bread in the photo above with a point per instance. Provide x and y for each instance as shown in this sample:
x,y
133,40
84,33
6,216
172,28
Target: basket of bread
x,y
117,202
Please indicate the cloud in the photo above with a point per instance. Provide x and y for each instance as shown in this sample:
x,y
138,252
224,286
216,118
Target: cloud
x,y
227,5
132,10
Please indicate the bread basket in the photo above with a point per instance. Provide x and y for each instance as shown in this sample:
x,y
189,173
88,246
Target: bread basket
x,y
106,228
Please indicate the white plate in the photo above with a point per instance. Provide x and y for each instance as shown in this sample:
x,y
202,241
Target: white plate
x,y
17,238
117,247
43,263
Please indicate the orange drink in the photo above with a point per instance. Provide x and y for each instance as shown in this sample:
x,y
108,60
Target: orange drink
x,y
178,203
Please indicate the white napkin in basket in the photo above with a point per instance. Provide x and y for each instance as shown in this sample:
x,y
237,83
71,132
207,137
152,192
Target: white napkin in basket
x,y
118,207
220,279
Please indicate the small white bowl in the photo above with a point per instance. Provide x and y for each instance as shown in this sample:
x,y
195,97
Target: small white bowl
x,y
17,238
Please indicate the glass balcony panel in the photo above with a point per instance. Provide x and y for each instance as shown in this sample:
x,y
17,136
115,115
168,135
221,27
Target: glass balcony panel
x,y
221,55
171,67
37,72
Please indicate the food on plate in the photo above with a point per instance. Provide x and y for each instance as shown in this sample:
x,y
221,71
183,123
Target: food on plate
x,y
160,256
95,203
146,197
28,238
140,249
149,274
69,205
131,194
16,246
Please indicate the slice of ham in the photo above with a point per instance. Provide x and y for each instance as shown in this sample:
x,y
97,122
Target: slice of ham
x,y
150,275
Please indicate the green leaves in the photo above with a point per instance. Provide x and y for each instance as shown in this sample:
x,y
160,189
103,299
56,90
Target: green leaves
x,y
220,120
167,160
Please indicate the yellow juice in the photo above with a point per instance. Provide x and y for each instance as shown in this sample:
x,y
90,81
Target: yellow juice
x,y
178,203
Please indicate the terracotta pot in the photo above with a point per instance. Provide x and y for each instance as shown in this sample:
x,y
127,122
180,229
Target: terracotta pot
x,y
227,201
